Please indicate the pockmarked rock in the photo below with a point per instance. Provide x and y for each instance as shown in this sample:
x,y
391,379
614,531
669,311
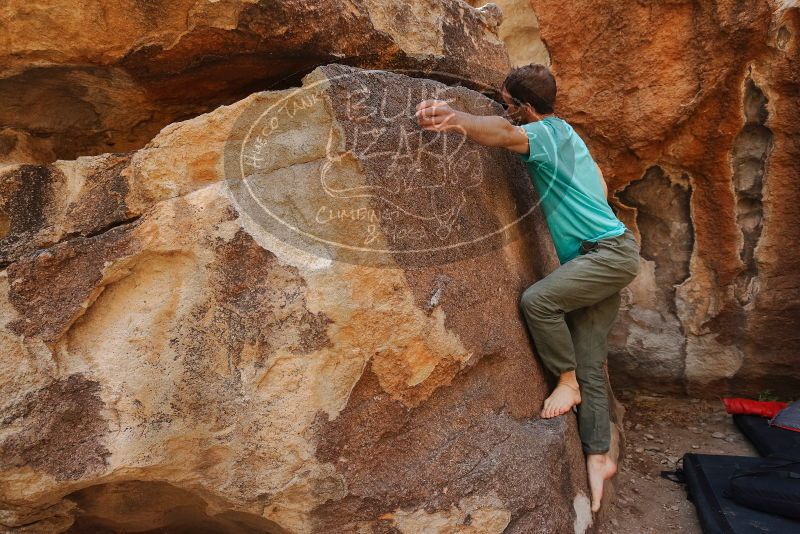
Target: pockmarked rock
x,y
363,182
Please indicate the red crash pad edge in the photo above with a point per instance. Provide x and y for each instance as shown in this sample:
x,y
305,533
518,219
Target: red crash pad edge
x,y
736,405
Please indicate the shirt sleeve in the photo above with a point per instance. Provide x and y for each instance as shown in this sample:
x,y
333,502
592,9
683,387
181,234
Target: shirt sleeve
x,y
541,143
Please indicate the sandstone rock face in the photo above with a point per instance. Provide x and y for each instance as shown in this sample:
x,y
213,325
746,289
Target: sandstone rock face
x,y
175,357
691,109
519,30
106,76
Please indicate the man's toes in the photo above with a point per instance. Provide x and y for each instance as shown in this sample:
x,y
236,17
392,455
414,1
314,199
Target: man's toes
x,y
597,493
597,497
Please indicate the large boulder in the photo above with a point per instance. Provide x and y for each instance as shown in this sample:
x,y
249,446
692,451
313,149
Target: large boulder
x,y
690,108
294,314
93,77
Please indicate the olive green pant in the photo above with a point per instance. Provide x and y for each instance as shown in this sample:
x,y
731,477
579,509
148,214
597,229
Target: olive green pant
x,y
569,314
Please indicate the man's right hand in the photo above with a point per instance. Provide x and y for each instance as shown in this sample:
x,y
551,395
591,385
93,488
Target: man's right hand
x,y
488,130
438,116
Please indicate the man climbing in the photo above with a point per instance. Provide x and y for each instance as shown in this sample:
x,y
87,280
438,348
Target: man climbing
x,y
570,311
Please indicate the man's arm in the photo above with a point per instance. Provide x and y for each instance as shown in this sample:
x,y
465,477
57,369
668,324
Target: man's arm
x,y
491,130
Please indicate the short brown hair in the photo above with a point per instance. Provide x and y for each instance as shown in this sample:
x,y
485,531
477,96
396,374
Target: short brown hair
x,y
532,84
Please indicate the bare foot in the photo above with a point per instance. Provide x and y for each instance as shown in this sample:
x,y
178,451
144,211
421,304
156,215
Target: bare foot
x,y
600,468
562,399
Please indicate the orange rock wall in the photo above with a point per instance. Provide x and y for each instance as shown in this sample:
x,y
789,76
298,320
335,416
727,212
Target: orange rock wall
x,y
691,108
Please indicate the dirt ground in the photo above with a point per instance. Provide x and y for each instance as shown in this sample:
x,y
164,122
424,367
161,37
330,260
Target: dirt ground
x,y
659,430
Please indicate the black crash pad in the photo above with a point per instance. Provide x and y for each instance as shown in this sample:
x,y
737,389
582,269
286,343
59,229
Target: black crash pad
x,y
707,476
767,439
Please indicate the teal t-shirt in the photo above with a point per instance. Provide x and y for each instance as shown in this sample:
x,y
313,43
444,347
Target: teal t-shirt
x,y
569,186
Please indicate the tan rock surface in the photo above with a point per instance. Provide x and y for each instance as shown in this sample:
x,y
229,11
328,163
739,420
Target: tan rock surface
x,y
173,358
519,30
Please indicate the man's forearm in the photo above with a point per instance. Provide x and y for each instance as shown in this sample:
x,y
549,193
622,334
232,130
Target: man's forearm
x,y
488,130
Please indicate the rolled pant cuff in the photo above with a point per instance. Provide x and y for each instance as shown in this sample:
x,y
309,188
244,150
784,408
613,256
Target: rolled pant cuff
x,y
596,451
